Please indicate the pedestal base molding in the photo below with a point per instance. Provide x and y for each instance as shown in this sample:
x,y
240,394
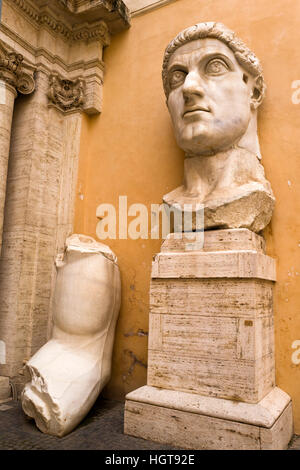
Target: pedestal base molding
x,y
194,422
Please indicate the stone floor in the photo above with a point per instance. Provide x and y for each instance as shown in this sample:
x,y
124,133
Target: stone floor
x,y
102,429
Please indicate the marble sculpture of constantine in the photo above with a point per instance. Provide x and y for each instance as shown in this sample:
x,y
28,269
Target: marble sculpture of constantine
x,y
214,86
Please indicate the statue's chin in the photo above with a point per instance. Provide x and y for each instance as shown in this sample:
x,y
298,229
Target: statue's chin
x,y
204,140
204,146
191,153
205,151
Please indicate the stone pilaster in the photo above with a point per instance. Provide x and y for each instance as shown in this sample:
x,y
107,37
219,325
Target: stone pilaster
x,y
12,79
7,98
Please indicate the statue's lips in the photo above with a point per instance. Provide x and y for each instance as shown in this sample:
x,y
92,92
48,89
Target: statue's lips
x,y
195,110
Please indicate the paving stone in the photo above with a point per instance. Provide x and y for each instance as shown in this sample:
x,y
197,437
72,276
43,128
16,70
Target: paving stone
x,y
102,429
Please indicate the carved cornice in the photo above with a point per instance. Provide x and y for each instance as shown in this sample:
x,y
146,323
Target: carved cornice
x,y
66,95
88,32
13,73
69,4
92,32
71,28
110,10
35,54
73,24
75,5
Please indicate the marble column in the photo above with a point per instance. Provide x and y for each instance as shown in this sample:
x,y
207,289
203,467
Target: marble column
x,y
7,98
12,79
15,77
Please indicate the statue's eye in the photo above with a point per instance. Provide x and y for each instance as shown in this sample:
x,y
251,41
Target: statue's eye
x,y
216,67
176,78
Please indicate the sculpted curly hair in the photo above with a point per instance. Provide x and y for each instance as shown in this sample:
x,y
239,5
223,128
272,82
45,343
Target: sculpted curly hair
x,y
245,57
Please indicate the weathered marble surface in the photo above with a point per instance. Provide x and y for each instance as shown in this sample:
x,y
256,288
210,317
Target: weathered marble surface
x,y
217,240
214,86
197,422
241,198
224,264
68,372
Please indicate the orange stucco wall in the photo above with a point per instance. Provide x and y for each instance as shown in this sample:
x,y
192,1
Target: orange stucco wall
x,y
130,150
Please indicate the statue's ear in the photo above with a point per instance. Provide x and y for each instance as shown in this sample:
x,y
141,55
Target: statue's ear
x,y
258,92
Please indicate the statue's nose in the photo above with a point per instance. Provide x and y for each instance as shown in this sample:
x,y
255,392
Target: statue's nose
x,y
192,85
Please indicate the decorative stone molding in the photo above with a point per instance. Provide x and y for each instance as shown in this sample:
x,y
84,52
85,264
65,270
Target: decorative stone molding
x,y
84,15
11,71
76,6
65,37
70,4
89,32
95,32
66,95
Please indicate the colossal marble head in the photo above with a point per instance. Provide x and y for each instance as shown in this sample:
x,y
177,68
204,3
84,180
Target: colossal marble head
x,y
214,85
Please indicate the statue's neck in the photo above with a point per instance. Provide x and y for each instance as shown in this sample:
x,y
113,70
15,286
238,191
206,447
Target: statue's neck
x,y
205,175
202,173
250,141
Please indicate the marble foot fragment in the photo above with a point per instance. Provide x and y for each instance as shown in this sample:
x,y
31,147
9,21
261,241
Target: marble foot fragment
x,y
69,372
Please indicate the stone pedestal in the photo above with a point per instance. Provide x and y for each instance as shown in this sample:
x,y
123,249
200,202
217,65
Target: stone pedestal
x,y
211,366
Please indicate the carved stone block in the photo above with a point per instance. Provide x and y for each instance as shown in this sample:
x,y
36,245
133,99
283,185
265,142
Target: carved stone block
x,y
199,343
66,95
